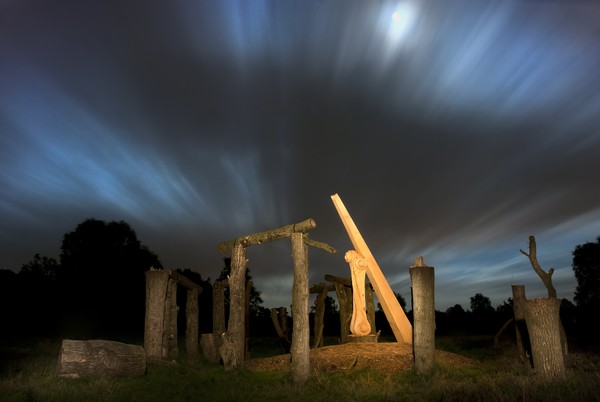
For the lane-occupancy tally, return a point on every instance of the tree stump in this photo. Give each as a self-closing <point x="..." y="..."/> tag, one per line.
<point x="100" y="358"/>
<point x="543" y="323"/>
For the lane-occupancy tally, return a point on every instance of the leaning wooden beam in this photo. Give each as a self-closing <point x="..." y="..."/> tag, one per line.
<point x="268" y="236"/>
<point x="399" y="323"/>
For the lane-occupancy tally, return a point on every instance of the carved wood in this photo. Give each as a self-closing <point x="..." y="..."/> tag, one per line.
<point x="399" y="323"/>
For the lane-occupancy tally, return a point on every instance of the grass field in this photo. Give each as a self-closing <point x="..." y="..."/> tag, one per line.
<point x="27" y="374"/>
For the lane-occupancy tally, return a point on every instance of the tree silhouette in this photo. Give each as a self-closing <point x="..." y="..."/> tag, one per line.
<point x="38" y="285"/>
<point x="481" y="304"/>
<point x="102" y="271"/>
<point x="586" y="267"/>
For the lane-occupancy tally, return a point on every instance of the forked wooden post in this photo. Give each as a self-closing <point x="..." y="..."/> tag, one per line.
<point x="399" y="323"/>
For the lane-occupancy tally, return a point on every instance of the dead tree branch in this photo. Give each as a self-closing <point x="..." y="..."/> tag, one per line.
<point x="546" y="277"/>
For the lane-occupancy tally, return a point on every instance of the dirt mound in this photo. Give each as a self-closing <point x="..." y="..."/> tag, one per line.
<point x="386" y="357"/>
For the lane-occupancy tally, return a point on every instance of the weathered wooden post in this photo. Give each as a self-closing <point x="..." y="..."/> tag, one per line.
<point x="156" y="292"/>
<point x="321" y="290"/>
<point x="234" y="340"/>
<point x="218" y="308"/>
<point x="521" y="334"/>
<point x="301" y="328"/>
<point x="422" y="278"/>
<point x="370" y="308"/>
<point x="191" y="325"/>
<point x="344" y="296"/>
<point x="247" y="296"/>
<point x="170" y="345"/>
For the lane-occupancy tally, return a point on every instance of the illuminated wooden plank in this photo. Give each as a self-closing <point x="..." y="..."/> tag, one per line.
<point x="399" y="323"/>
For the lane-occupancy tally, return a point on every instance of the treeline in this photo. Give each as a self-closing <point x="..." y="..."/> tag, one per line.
<point x="97" y="289"/>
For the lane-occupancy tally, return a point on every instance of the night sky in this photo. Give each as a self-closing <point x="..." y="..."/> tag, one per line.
<point x="450" y="129"/>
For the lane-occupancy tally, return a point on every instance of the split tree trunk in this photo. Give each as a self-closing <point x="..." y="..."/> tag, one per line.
<point x="543" y="324"/>
<point x="300" y="295"/>
<point x="100" y="358"/>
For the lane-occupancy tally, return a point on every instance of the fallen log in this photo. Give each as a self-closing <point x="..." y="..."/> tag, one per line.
<point x="100" y="358"/>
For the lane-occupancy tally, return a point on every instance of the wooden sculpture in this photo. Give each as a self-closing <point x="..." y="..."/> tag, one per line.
<point x="399" y="323"/>
<point x="359" y="325"/>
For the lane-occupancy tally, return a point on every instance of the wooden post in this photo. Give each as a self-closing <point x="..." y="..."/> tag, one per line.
<point x="422" y="278"/>
<point x="191" y="325"/>
<point x="300" y="295"/>
<point x="344" y="296"/>
<point x="521" y="334"/>
<point x="233" y="348"/>
<point x="154" y="329"/>
<point x="319" y="316"/>
<point x="543" y="324"/>
<point x="399" y="323"/>
<point x="370" y="307"/>
<point x="218" y="308"/>
<point x="247" y="294"/>
<point x="170" y="345"/>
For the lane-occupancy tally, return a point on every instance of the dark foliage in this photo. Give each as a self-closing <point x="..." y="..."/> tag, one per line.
<point x="586" y="267"/>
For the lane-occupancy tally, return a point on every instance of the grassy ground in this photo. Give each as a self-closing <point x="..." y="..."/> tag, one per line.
<point x="27" y="374"/>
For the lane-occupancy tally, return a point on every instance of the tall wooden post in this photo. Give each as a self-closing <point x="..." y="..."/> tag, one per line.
<point x="344" y="296"/>
<point x="247" y="297"/>
<point x="234" y="340"/>
<point x="319" y="316"/>
<point x="422" y="278"/>
<point x="521" y="334"/>
<point x="218" y="308"/>
<point x="370" y="307"/>
<point x="170" y="344"/>
<point x="156" y="291"/>
<point x="191" y="325"/>
<point x="301" y="331"/>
